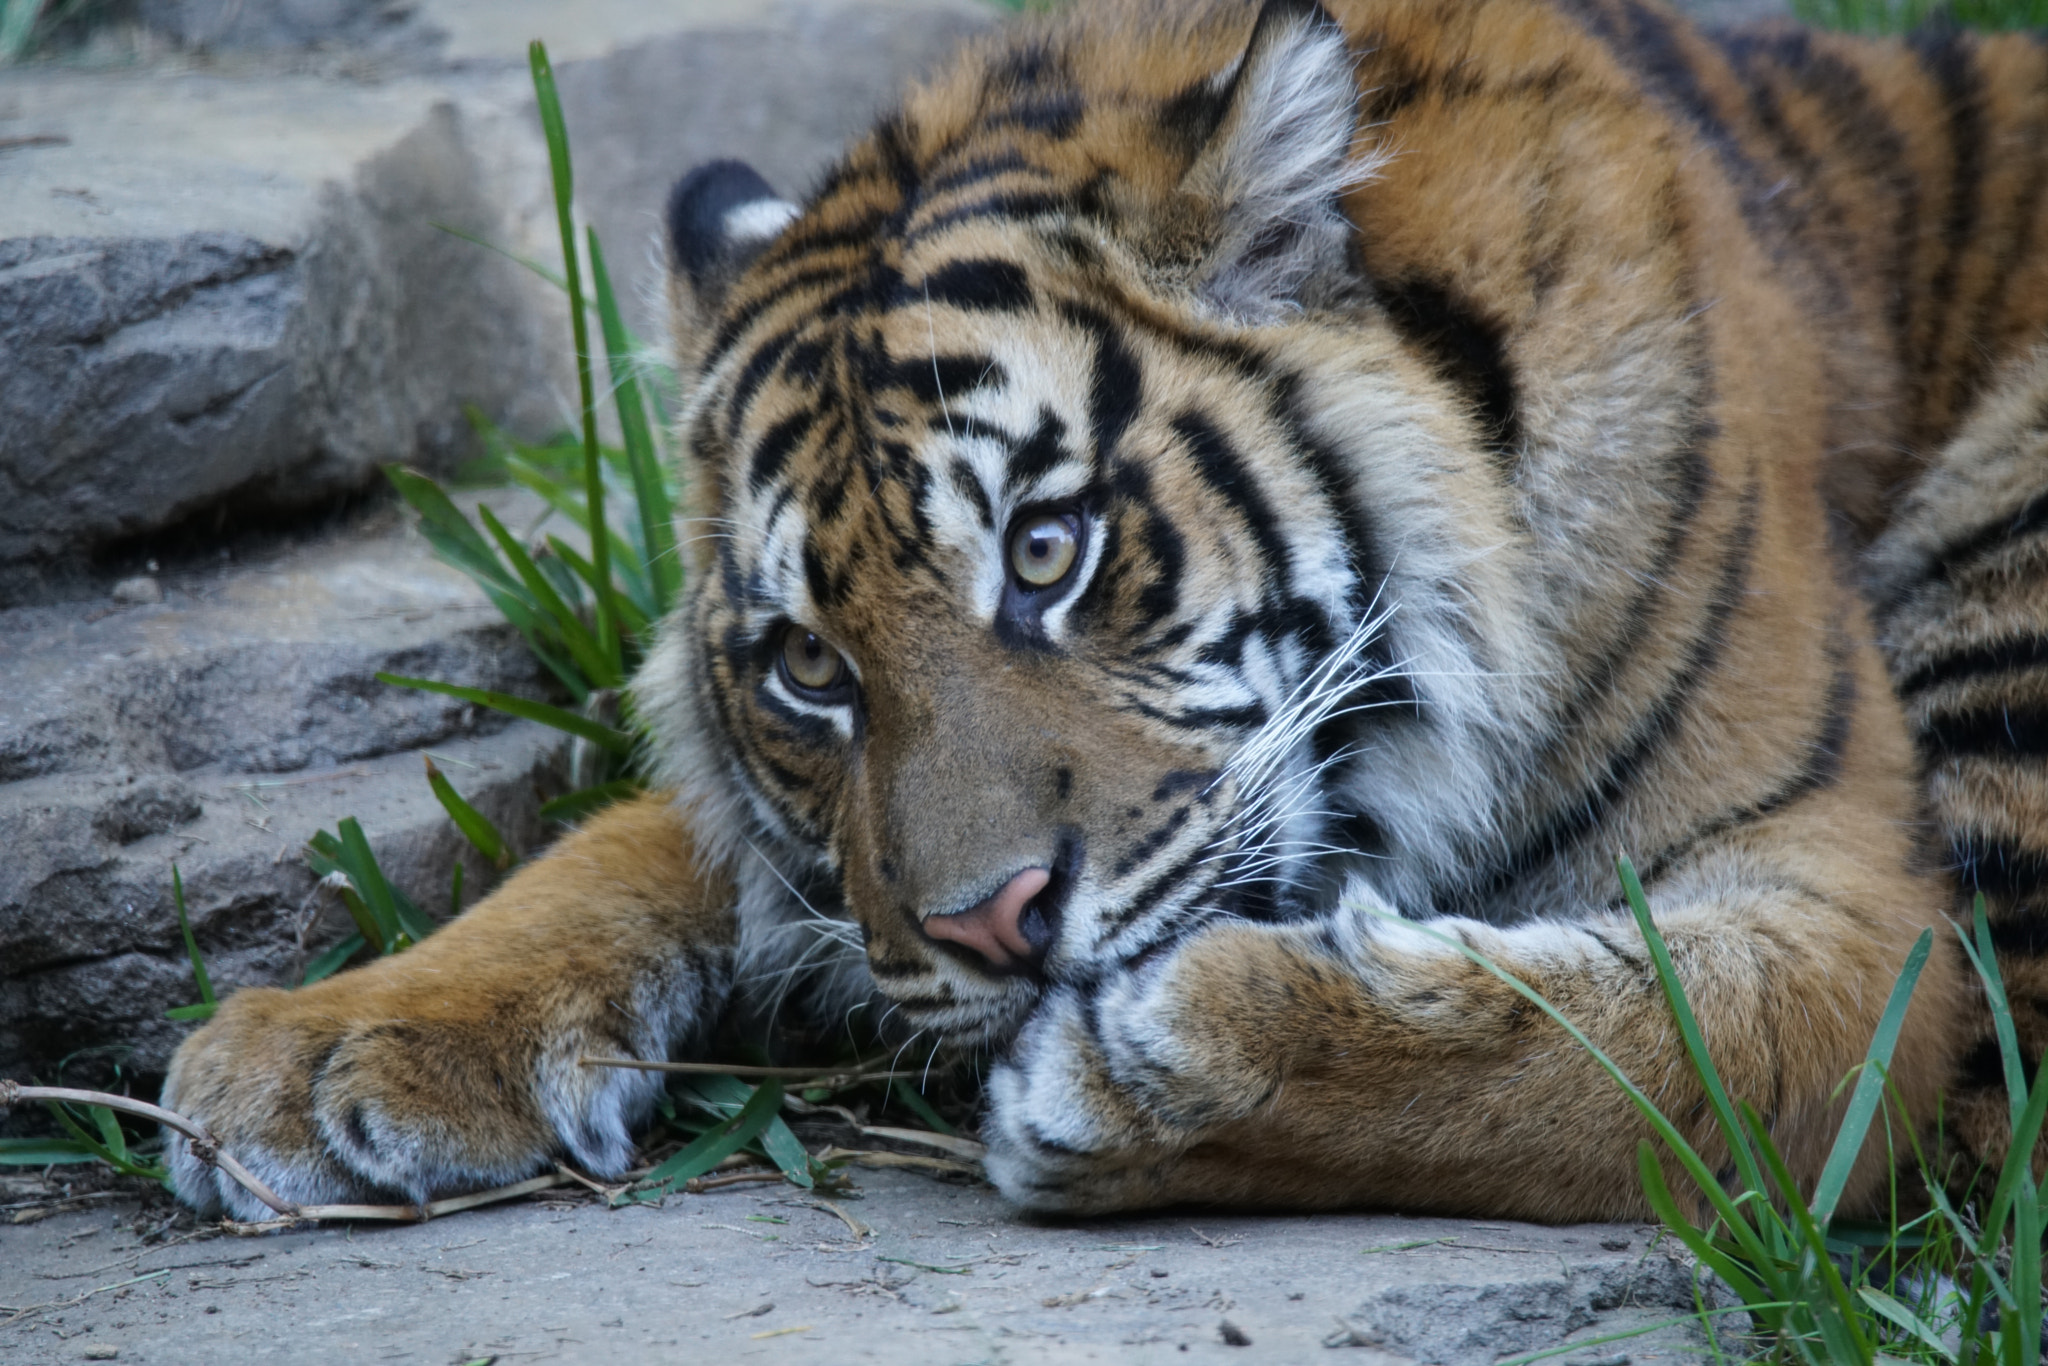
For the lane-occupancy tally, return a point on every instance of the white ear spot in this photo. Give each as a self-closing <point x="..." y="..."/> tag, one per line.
<point x="757" y="219"/>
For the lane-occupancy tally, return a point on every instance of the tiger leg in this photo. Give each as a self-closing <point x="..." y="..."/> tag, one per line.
<point x="1362" y="1060"/>
<point x="1961" y="593"/>
<point x="453" y="1065"/>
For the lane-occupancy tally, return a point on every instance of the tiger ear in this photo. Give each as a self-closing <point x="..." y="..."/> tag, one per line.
<point x="720" y="217"/>
<point x="1275" y="165"/>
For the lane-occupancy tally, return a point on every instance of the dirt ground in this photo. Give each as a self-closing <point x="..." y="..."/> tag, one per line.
<point x="908" y="1269"/>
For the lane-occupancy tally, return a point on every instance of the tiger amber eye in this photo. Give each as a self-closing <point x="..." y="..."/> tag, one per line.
<point x="1042" y="550"/>
<point x="810" y="661"/>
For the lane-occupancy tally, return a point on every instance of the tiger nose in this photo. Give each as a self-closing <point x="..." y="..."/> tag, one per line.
<point x="994" y="928"/>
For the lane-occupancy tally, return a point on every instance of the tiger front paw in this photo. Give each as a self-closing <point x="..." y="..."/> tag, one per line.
<point x="1109" y="1085"/>
<point x="330" y="1095"/>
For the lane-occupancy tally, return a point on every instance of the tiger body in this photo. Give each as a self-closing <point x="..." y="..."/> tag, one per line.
<point x="1473" y="440"/>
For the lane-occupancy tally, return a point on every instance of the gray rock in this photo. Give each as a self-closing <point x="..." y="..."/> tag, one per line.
<point x="139" y="591"/>
<point x="217" y="730"/>
<point x="230" y="24"/>
<point x="225" y="290"/>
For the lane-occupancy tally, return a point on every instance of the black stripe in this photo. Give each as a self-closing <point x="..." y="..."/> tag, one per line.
<point x="1117" y="390"/>
<point x="965" y="480"/>
<point x="737" y="321"/>
<point x="1148" y="896"/>
<point x="2029" y="520"/>
<point x="775" y="448"/>
<point x="1223" y="469"/>
<point x="1993" y="731"/>
<point x="973" y="173"/>
<point x="753" y="375"/>
<point x="1003" y="204"/>
<point x="1644" y="38"/>
<point x="1039" y="453"/>
<point x="983" y="285"/>
<point x="1821" y="768"/>
<point x="1055" y="115"/>
<point x="2003" y="871"/>
<point x="1587" y="809"/>
<point x="1944" y="53"/>
<point x="2000" y="657"/>
<point x="937" y="379"/>
<point x="1466" y="348"/>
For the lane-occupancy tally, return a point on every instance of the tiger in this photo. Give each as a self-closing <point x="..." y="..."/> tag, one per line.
<point x="1210" y="528"/>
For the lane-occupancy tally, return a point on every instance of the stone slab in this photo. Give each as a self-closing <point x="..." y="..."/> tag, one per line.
<point x="218" y="723"/>
<point x="949" y="1276"/>
<point x="224" y="285"/>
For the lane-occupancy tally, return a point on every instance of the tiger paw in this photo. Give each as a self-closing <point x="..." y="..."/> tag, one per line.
<point x="334" y="1094"/>
<point x="1110" y="1084"/>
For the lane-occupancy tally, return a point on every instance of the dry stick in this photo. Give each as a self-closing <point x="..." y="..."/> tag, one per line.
<point x="809" y="1075"/>
<point x="205" y="1146"/>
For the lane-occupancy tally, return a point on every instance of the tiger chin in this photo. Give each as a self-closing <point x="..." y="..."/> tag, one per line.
<point x="1209" y="512"/>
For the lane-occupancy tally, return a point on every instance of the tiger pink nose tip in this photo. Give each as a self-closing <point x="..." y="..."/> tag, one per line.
<point x="994" y="928"/>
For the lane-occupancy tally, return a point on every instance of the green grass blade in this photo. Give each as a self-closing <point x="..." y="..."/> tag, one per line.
<point x="1689" y="1028"/>
<point x="574" y="806"/>
<point x="631" y="614"/>
<point x="657" y="527"/>
<point x="110" y="1130"/>
<point x="42" y="1152"/>
<point x="1902" y="1317"/>
<point x="1665" y="1206"/>
<point x="361" y="866"/>
<point x="583" y="647"/>
<point x="553" y="277"/>
<point x="1838" y="1328"/>
<point x="722" y="1140"/>
<point x="323" y="856"/>
<point x="787" y="1151"/>
<point x="1984" y="956"/>
<point x="458" y="538"/>
<point x="332" y="960"/>
<point x="624" y="562"/>
<point x="191" y="948"/>
<point x="557" y="133"/>
<point x="599" y="734"/>
<point x="1869" y="1092"/>
<point x="475" y="826"/>
<point x="200" y="1010"/>
<point x="919" y="1106"/>
<point x="455" y="890"/>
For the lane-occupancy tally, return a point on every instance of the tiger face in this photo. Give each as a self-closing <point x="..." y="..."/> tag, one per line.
<point x="1035" y="598"/>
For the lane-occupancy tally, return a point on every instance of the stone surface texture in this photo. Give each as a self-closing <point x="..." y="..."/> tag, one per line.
<point x="218" y="728"/>
<point x="949" y="1275"/>
<point x="225" y="287"/>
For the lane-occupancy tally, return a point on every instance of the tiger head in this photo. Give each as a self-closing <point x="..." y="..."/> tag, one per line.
<point x="1039" y="571"/>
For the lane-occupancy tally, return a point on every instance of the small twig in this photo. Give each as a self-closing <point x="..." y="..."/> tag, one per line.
<point x="809" y="1076"/>
<point x="205" y="1146"/>
<point x="875" y="1157"/>
<point x="19" y="1314"/>
<point x="610" y="1193"/>
<point x="860" y="1230"/>
<point x="34" y="140"/>
<point x="697" y="1185"/>
<point x="966" y="1149"/>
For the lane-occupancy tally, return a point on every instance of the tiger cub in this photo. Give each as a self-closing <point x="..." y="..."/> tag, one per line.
<point x="1210" y="510"/>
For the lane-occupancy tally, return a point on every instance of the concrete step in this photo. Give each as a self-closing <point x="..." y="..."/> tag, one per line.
<point x="224" y="287"/>
<point x="217" y="718"/>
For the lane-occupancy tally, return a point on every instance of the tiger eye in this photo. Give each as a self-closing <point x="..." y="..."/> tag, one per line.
<point x="1043" y="549"/>
<point x="809" y="662"/>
